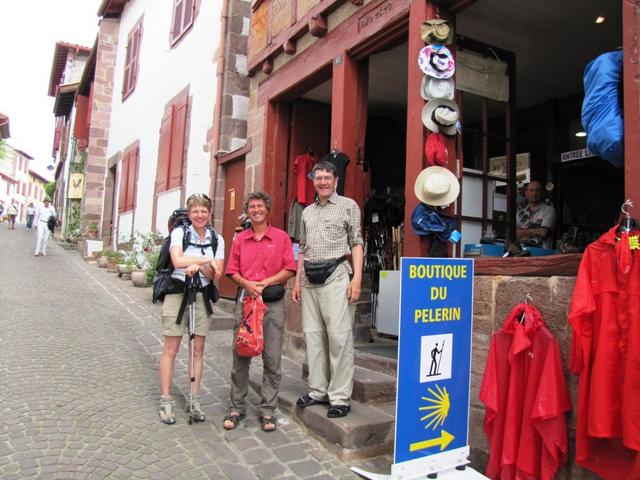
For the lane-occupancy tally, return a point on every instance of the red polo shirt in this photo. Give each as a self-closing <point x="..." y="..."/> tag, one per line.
<point x="257" y="259"/>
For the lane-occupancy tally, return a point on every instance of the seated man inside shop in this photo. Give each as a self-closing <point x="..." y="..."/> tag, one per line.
<point x="535" y="221"/>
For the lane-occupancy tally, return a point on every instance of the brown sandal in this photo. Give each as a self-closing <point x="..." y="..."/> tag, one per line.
<point x="268" y="420"/>
<point x="234" y="418"/>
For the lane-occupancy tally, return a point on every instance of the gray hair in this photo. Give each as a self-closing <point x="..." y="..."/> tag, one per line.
<point x="326" y="166"/>
<point x="257" y="196"/>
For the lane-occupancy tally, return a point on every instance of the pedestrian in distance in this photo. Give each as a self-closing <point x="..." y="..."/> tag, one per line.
<point x="30" y="214"/>
<point x="197" y="259"/>
<point x="327" y="286"/>
<point x="12" y="213"/>
<point x="42" y="216"/>
<point x="261" y="261"/>
<point x="1" y="210"/>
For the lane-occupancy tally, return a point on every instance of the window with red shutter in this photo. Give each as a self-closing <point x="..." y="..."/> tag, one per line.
<point x="172" y="146"/>
<point x="132" y="60"/>
<point x="132" y="175"/>
<point x="177" y="144"/>
<point x="164" y="153"/>
<point x="124" y="175"/>
<point x="184" y="13"/>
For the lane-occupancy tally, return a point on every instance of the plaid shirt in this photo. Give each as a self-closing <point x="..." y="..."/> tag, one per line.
<point x="330" y="231"/>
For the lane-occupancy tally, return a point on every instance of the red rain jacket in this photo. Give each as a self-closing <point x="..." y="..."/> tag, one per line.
<point x="605" y="317"/>
<point x="526" y="397"/>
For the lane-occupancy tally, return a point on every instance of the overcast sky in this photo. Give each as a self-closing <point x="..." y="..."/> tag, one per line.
<point x="29" y="30"/>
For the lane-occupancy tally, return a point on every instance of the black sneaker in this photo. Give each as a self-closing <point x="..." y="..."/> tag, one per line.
<point x="307" y="401"/>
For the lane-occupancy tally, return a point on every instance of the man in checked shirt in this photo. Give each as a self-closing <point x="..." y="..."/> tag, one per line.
<point x="330" y="231"/>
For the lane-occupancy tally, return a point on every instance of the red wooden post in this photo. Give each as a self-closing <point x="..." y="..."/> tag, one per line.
<point x="420" y="10"/>
<point x="274" y="165"/>
<point x="631" y="68"/>
<point x="344" y="109"/>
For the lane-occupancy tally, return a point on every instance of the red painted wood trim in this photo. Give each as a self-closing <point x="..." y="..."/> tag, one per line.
<point x="296" y="31"/>
<point x="318" y="25"/>
<point x="349" y="35"/>
<point x="274" y="164"/>
<point x="344" y="114"/>
<point x="631" y="79"/>
<point x="414" y="245"/>
<point x="231" y="156"/>
<point x="549" y="266"/>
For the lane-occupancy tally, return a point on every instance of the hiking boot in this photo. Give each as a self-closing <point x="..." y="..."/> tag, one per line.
<point x="195" y="409"/>
<point x="167" y="406"/>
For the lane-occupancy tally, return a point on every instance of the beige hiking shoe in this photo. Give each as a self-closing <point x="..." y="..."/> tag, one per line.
<point x="193" y="406"/>
<point x="167" y="406"/>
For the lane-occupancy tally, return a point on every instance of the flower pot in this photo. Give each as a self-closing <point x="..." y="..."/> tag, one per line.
<point x="102" y="262"/>
<point x="111" y="264"/>
<point x="124" y="268"/>
<point x="139" y="278"/>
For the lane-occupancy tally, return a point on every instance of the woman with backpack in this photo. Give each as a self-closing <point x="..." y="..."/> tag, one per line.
<point x="196" y="251"/>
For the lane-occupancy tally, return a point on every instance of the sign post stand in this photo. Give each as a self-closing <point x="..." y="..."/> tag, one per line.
<point x="434" y="362"/>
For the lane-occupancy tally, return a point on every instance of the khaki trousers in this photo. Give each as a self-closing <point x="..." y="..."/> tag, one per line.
<point x="273" y="331"/>
<point x="327" y="318"/>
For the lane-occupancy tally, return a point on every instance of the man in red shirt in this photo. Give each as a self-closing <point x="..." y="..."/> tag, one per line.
<point x="261" y="256"/>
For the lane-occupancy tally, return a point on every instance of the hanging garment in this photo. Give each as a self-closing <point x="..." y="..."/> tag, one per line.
<point x="605" y="353"/>
<point x="340" y="160"/>
<point x="526" y="397"/>
<point x="302" y="165"/>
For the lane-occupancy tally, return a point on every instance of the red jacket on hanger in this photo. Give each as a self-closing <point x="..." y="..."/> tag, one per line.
<point x="605" y="353"/>
<point x="526" y="397"/>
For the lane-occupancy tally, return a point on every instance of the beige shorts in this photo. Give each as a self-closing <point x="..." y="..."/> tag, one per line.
<point x="170" y="309"/>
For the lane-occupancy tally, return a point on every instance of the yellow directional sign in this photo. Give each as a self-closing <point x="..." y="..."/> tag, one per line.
<point x="445" y="439"/>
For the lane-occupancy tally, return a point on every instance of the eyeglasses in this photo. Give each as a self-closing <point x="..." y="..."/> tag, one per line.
<point x="323" y="178"/>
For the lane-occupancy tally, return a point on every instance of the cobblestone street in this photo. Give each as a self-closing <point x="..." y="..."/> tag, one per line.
<point x="79" y="389"/>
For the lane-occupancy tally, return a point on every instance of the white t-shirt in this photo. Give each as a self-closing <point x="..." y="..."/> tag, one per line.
<point x="43" y="213"/>
<point x="177" y="236"/>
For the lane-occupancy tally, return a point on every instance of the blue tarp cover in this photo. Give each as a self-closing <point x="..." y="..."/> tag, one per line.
<point x="602" y="112"/>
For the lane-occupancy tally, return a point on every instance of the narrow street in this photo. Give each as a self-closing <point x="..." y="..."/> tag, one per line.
<point x="79" y="390"/>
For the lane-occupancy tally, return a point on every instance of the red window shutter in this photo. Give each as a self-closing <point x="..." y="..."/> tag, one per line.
<point x="30" y="185"/>
<point x="177" y="19"/>
<point x="90" y="107"/>
<point x="80" y="126"/>
<point x="188" y="14"/>
<point x="164" y="153"/>
<point x="131" y="180"/>
<point x="124" y="175"/>
<point x="133" y="68"/>
<point x="177" y="143"/>
<point x="127" y="67"/>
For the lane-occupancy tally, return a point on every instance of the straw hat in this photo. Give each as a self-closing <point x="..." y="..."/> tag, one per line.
<point x="436" y="186"/>
<point x="440" y="115"/>
<point x="436" y="31"/>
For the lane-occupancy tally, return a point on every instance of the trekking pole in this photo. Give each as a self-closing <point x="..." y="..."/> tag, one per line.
<point x="192" y="291"/>
<point x="440" y="358"/>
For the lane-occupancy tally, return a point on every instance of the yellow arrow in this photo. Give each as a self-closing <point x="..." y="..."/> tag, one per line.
<point x="445" y="439"/>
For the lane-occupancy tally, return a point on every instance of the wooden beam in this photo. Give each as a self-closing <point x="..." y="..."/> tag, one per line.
<point x="290" y="46"/>
<point x="318" y="26"/>
<point x="414" y="245"/>
<point x="344" y="117"/>
<point x="274" y="165"/>
<point x="631" y="87"/>
<point x="453" y="6"/>
<point x="565" y="265"/>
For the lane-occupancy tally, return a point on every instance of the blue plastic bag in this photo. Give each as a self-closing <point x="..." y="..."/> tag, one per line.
<point x="602" y="111"/>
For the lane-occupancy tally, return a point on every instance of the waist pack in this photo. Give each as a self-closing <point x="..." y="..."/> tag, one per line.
<point x="272" y="293"/>
<point x="318" y="272"/>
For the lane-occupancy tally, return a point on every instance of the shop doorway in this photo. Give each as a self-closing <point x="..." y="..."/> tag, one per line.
<point x="551" y="48"/>
<point x="233" y="199"/>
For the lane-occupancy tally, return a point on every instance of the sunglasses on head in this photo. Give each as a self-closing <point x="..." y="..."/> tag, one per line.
<point x="198" y="195"/>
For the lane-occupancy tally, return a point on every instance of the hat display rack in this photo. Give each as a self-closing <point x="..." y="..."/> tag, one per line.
<point x="436" y="186"/>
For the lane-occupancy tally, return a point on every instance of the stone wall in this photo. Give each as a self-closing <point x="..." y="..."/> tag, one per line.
<point x="494" y="298"/>
<point x="96" y="164"/>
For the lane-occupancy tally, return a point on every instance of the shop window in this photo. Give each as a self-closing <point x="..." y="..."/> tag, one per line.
<point x="171" y="147"/>
<point x="128" y="181"/>
<point x="132" y="60"/>
<point x="184" y="14"/>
